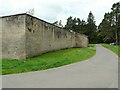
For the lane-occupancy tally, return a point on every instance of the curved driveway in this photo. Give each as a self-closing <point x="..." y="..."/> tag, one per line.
<point x="100" y="71"/>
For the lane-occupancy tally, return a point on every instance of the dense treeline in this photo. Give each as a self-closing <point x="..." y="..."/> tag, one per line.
<point x="88" y="28"/>
<point x="108" y="30"/>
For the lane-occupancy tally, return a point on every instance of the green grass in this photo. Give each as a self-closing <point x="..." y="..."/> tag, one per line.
<point x="113" y="48"/>
<point x="48" y="60"/>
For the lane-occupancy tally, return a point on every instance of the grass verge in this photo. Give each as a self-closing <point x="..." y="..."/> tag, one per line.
<point x="113" y="48"/>
<point x="49" y="60"/>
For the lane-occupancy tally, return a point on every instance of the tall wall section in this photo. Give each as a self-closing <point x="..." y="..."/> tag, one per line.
<point x="13" y="37"/>
<point x="43" y="37"/>
<point x="25" y="36"/>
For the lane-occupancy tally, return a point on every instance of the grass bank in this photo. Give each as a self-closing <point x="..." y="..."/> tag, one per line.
<point x="48" y="60"/>
<point x="113" y="48"/>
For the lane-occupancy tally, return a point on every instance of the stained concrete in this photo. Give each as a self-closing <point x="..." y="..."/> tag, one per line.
<point x="13" y="37"/>
<point x="25" y="36"/>
<point x="100" y="71"/>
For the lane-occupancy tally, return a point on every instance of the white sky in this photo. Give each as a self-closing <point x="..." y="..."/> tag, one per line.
<point x="52" y="10"/>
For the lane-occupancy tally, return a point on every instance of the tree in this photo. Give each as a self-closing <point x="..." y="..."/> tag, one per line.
<point x="75" y="24"/>
<point x="90" y="18"/>
<point x="119" y="29"/>
<point x="91" y="28"/>
<point x="58" y="23"/>
<point x="106" y="29"/>
<point x="69" y="24"/>
<point x="31" y="11"/>
<point x="109" y="28"/>
<point x="115" y="17"/>
<point x="80" y="26"/>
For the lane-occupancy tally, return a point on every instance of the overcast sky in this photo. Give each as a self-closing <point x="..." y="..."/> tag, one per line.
<point x="52" y="10"/>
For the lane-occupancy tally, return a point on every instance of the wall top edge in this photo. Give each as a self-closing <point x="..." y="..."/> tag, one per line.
<point x="40" y="20"/>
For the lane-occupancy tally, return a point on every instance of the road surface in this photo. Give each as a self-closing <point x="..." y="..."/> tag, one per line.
<point x="100" y="71"/>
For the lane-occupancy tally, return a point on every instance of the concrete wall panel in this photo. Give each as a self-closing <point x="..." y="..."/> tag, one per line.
<point x="42" y="37"/>
<point x="25" y="36"/>
<point x="13" y="37"/>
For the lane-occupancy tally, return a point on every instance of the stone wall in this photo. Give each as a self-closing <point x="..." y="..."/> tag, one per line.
<point x="25" y="36"/>
<point x="13" y="37"/>
<point x="42" y="37"/>
<point x="81" y="40"/>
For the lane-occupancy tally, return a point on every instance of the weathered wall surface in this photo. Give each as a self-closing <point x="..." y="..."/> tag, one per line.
<point x="13" y="37"/>
<point x="25" y="36"/>
<point x="81" y="40"/>
<point x="42" y="37"/>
